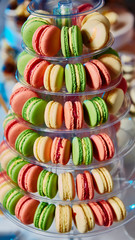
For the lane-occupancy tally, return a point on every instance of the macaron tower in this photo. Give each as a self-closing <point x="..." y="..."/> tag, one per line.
<point x="64" y="162"/>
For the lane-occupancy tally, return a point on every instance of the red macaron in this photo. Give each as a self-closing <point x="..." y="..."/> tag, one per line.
<point x="25" y="209"/>
<point x="85" y="186"/>
<point x="19" y="97"/>
<point x="34" y="72"/>
<point x="12" y="130"/>
<point x="103" y="147"/>
<point x="46" y="40"/>
<point x="60" y="151"/>
<point x="73" y="114"/>
<point x="28" y="177"/>
<point x="123" y="85"/>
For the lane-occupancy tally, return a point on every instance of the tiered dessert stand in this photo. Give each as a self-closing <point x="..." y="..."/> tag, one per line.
<point x="123" y="138"/>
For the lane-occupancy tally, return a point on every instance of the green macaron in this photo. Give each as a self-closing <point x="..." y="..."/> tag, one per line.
<point x="14" y="166"/>
<point x="77" y="151"/>
<point x="22" y="61"/>
<point x="102" y="107"/>
<point x="90" y="113"/>
<point x="87" y="150"/>
<point x="29" y="28"/>
<point x="25" y="141"/>
<point x="10" y="200"/>
<point x="44" y="216"/>
<point x="75" y="40"/>
<point x="47" y="184"/>
<point x="75" y="78"/>
<point x="65" y="42"/>
<point x="33" y="110"/>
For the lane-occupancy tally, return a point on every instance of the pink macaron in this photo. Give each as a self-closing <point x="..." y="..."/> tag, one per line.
<point x="99" y="214"/>
<point x="3" y="146"/>
<point x="108" y="212"/>
<point x="73" y="114"/>
<point x="94" y="80"/>
<point x="12" y="130"/>
<point x="19" y="97"/>
<point x="85" y="186"/>
<point x="34" y="72"/>
<point x="25" y="209"/>
<point x="46" y="40"/>
<point x="28" y="177"/>
<point x="103" y="147"/>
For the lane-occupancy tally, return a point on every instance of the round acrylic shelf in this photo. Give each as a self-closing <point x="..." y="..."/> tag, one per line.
<point x="124" y="141"/>
<point x="98" y="230"/>
<point x="63" y="93"/>
<point x="35" y="6"/>
<point x="85" y="57"/>
<point x="122" y="180"/>
<point x="112" y="120"/>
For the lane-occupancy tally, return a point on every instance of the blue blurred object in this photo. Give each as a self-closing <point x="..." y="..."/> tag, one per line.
<point x="3" y="93"/>
<point x="9" y="236"/>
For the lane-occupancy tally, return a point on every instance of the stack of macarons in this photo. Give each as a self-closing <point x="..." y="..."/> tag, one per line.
<point x="95" y="31"/>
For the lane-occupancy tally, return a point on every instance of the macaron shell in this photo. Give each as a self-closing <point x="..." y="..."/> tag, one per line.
<point x="109" y="143"/>
<point x="6" y="157"/>
<point x="27" y="210"/>
<point x="22" y="61"/>
<point x="108" y="178"/>
<point x="116" y="209"/>
<point x="4" y="188"/>
<point x="38" y="213"/>
<point x="66" y="191"/>
<point x="44" y="149"/>
<point x="65" y="42"/>
<point x="89" y="215"/>
<point x="77" y="151"/>
<point x="80" y="186"/>
<point x="99" y="215"/>
<point x="47" y="77"/>
<point x="113" y="64"/>
<point x="104" y="73"/>
<point x="47" y="217"/>
<point x="54" y="115"/>
<point x="79" y="218"/>
<point x="95" y="34"/>
<point x="70" y="78"/>
<point x="94" y="80"/>
<point x="36" y="113"/>
<point x="56" y="78"/>
<point x="99" y="181"/>
<point x="90" y="113"/>
<point x="99" y="148"/>
<point x="75" y="40"/>
<point x="97" y="16"/>
<point x="21" y="176"/>
<point x="16" y="170"/>
<point x="108" y="212"/>
<point x="52" y="185"/>
<point x="65" y="151"/>
<point x="90" y="184"/>
<point x="31" y="178"/>
<point x="47" y="44"/>
<point x="20" y="96"/>
<point x="79" y="113"/>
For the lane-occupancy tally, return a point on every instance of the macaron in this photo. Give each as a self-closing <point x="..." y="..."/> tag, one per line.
<point x="83" y="217"/>
<point x="10" y="200"/>
<point x="95" y="34"/>
<point x="19" y="97"/>
<point x="43" y="40"/>
<point x="103" y="147"/>
<point x="97" y="16"/>
<point x="7" y="119"/>
<point x="82" y="8"/>
<point x="47" y="184"/>
<point x="14" y="166"/>
<point x="28" y="177"/>
<point x="44" y="216"/>
<point x="102" y="213"/>
<point x="25" y="141"/>
<point x="34" y="72"/>
<point x="33" y="111"/>
<point x="3" y="147"/>
<point x="108" y="51"/>
<point x="113" y="64"/>
<point x="73" y="115"/>
<point x="85" y="186"/>
<point x="71" y="41"/>
<point x="82" y="151"/>
<point x="54" y="77"/>
<point x="53" y="115"/>
<point x="114" y="100"/>
<point x="75" y="77"/>
<point x="103" y="182"/>
<point x="12" y="130"/>
<point x="97" y="74"/>
<point x="63" y="218"/>
<point x="42" y="149"/>
<point x="22" y="61"/>
<point x="42" y="13"/>
<point x="118" y="208"/>
<point x="5" y="157"/>
<point x="29" y="28"/>
<point x="4" y="188"/>
<point x="3" y="177"/>
<point x="60" y="151"/>
<point x="66" y="191"/>
<point x="25" y="209"/>
<point x="95" y="111"/>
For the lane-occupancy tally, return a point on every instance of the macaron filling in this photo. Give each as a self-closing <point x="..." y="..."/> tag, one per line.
<point x="59" y="146"/>
<point x="75" y="115"/>
<point x="86" y="189"/>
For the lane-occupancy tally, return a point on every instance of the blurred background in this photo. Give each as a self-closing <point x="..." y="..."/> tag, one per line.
<point x="13" y="14"/>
